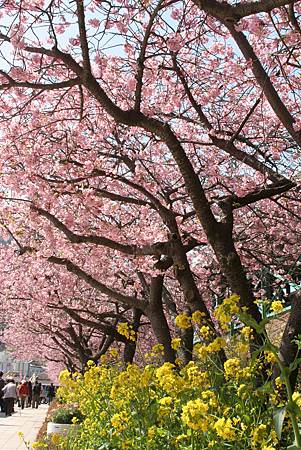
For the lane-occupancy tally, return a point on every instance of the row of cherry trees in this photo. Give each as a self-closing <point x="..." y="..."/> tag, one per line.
<point x="150" y="157"/>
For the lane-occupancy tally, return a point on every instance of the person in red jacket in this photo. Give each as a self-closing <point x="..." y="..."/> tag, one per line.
<point x="23" y="393"/>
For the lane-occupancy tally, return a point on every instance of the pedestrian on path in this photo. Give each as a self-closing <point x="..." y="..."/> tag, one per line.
<point x="50" y="393"/>
<point x="2" y="384"/>
<point x="29" y="384"/>
<point x="23" y="393"/>
<point x="36" y="392"/>
<point x="10" y="395"/>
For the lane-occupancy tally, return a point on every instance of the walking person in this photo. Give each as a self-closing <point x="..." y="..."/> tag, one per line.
<point x="18" y="385"/>
<point x="2" y="384"/>
<point x="29" y="400"/>
<point x="10" y="395"/>
<point x="23" y="393"/>
<point x="36" y="392"/>
<point x="50" y="393"/>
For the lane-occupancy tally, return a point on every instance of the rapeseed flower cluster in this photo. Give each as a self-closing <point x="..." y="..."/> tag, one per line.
<point x="225" y="429"/>
<point x="165" y="407"/>
<point x="183" y="321"/>
<point x="195" y="415"/>
<point x="277" y="306"/>
<point x="209" y="403"/>
<point x="126" y="330"/>
<point x="227" y="310"/>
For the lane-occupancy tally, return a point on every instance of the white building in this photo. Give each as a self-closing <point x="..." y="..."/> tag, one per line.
<point x="22" y="369"/>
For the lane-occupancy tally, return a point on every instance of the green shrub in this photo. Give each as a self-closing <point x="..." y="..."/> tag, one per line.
<point x="66" y="415"/>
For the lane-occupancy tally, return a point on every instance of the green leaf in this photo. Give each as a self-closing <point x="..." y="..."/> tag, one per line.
<point x="285" y="373"/>
<point x="255" y="354"/>
<point x="293" y="447"/>
<point x="262" y="324"/>
<point x="295" y="364"/>
<point x="278" y="417"/>
<point x="248" y="320"/>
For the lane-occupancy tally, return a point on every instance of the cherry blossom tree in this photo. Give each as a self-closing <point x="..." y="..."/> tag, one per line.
<point x="144" y="138"/>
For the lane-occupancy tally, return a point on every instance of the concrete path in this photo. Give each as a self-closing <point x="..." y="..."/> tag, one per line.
<point x="28" y="422"/>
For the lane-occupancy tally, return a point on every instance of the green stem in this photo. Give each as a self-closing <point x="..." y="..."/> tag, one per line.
<point x="192" y="440"/>
<point x="289" y="393"/>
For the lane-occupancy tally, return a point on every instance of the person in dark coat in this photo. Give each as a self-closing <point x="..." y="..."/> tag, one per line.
<point x="50" y="393"/>
<point x="2" y="384"/>
<point x="36" y="392"/>
<point x="29" y="400"/>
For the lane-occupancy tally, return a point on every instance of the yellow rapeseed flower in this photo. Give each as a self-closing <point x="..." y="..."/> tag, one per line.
<point x="232" y="368"/>
<point x="55" y="439"/>
<point x="126" y="330"/>
<point x="168" y="379"/>
<point x="224" y="428"/>
<point x="241" y="390"/>
<point x="205" y="332"/>
<point x="165" y="406"/>
<point x="210" y="398"/>
<point x="113" y="352"/>
<point x="175" y="343"/>
<point x="197" y="317"/>
<point x="183" y="321"/>
<point x="166" y="401"/>
<point x="215" y="346"/>
<point x="194" y="415"/>
<point x="38" y="445"/>
<point x="157" y="348"/>
<point x="259" y="434"/>
<point x="246" y="332"/>
<point x="90" y="363"/>
<point x="151" y="432"/>
<point x="64" y="375"/>
<point x="297" y="398"/>
<point x="276" y="306"/>
<point x="269" y="357"/>
<point x="120" y="421"/>
<point x="226" y="310"/>
<point x="201" y="351"/>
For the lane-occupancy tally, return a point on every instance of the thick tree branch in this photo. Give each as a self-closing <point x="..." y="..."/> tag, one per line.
<point x="121" y="198"/>
<point x="141" y="58"/>
<point x="107" y="329"/>
<point x="265" y="82"/>
<point x="83" y="36"/>
<point x="261" y="194"/>
<point x="111" y="293"/>
<point x="40" y="86"/>
<point x="242" y="9"/>
<point x="157" y="249"/>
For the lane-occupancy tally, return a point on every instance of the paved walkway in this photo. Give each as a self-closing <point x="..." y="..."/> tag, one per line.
<point x="28" y="422"/>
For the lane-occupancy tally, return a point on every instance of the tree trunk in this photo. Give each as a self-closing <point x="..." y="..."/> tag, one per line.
<point x="187" y="342"/>
<point x="230" y="264"/>
<point x="185" y="278"/>
<point x="193" y="297"/>
<point x="130" y="346"/>
<point x="288" y="351"/>
<point x="158" y="320"/>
